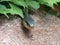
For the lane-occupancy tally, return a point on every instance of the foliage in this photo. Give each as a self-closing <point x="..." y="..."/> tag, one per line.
<point x="15" y="9"/>
<point x="49" y="2"/>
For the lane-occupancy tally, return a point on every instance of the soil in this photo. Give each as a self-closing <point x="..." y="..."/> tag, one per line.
<point x="45" y="32"/>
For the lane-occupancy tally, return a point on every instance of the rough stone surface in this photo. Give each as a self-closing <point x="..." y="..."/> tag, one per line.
<point x="45" y="32"/>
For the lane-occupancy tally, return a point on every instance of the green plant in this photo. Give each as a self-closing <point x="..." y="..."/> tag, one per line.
<point x="15" y="9"/>
<point x="50" y="5"/>
<point x="49" y="2"/>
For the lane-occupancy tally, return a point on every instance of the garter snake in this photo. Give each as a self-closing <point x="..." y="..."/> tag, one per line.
<point x="27" y="21"/>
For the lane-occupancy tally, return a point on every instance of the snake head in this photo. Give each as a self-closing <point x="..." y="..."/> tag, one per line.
<point x="28" y="22"/>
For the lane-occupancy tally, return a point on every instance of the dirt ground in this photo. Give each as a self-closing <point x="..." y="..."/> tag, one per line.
<point x="45" y="32"/>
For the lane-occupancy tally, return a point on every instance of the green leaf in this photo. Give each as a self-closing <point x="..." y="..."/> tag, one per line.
<point x="17" y="2"/>
<point x="4" y="10"/>
<point x="16" y="10"/>
<point x="33" y="4"/>
<point x="49" y="2"/>
<point x="13" y="10"/>
<point x="4" y="0"/>
<point x="20" y="3"/>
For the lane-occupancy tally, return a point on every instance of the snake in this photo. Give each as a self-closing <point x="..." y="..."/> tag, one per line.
<point x="27" y="21"/>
